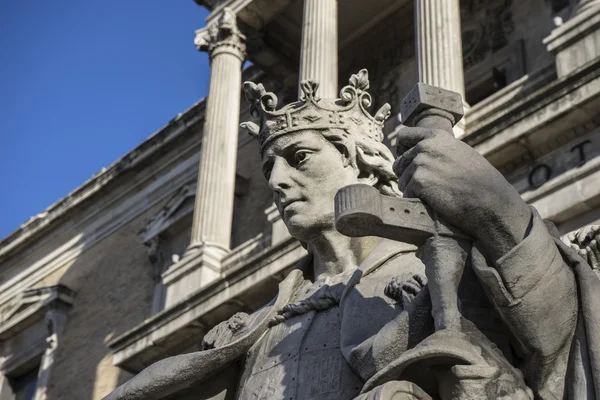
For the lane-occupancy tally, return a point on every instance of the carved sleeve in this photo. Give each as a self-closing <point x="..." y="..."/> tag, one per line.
<point x="535" y="291"/>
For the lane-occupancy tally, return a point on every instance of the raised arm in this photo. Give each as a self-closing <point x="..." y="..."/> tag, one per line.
<point x="515" y="258"/>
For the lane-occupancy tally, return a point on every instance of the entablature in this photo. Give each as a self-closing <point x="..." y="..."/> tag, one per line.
<point x="525" y="115"/>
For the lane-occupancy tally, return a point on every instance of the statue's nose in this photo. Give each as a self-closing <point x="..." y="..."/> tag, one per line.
<point x="279" y="177"/>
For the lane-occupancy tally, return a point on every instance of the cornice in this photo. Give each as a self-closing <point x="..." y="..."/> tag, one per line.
<point x="35" y="226"/>
<point x="252" y="265"/>
<point x="31" y="305"/>
<point x="492" y="132"/>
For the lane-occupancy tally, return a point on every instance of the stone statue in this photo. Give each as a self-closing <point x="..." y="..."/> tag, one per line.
<point x="363" y="327"/>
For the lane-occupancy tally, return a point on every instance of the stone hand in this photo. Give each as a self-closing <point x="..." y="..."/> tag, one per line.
<point x="586" y="241"/>
<point x="462" y="187"/>
<point x="405" y="291"/>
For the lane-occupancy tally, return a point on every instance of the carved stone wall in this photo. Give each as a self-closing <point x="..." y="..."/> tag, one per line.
<point x="502" y="41"/>
<point x="388" y="52"/>
<point x="558" y="156"/>
<point x="487" y="27"/>
<point x="248" y="218"/>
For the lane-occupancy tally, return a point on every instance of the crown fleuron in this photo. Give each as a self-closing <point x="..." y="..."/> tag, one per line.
<point x="311" y="112"/>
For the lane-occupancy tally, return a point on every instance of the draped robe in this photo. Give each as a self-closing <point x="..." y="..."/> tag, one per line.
<point x="539" y="303"/>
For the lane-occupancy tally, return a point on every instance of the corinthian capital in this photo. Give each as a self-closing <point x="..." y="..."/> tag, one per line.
<point x="222" y="35"/>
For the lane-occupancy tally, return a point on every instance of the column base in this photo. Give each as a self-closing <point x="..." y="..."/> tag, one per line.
<point x="199" y="266"/>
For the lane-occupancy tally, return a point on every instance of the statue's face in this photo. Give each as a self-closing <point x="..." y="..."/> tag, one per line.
<point x="305" y="171"/>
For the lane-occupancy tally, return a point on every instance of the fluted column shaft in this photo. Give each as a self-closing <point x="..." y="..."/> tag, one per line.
<point x="213" y="211"/>
<point x="319" y="48"/>
<point x="439" y="47"/>
<point x="439" y="44"/>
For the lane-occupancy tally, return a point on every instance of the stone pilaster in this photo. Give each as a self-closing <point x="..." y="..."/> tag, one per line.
<point x="439" y="47"/>
<point x="576" y="42"/>
<point x="213" y="209"/>
<point x="56" y="319"/>
<point x="319" y="48"/>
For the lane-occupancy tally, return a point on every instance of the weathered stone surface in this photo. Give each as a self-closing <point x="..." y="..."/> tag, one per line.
<point x="211" y="230"/>
<point x="480" y="326"/>
<point x="534" y="131"/>
<point x="90" y="322"/>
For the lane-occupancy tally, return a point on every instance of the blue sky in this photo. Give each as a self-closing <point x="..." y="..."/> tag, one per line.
<point x="82" y="82"/>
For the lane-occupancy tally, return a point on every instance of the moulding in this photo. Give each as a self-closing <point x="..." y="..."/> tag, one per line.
<point x="30" y="306"/>
<point x="30" y="230"/>
<point x="508" y="122"/>
<point x="132" y="346"/>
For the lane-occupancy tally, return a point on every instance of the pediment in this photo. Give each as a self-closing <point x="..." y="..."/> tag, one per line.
<point x="31" y="305"/>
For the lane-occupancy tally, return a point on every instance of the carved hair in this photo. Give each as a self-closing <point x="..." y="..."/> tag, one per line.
<point x="372" y="158"/>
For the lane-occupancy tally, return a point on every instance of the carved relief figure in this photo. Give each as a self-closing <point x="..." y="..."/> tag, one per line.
<point x="362" y="328"/>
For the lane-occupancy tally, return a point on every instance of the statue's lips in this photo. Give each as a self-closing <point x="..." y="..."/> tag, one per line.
<point x="287" y="203"/>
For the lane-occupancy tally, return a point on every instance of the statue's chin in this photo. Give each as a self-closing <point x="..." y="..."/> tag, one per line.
<point x="305" y="228"/>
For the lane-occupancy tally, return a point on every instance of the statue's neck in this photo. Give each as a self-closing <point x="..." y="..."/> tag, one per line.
<point x="334" y="253"/>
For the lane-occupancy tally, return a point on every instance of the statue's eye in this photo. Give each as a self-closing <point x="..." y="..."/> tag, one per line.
<point x="300" y="156"/>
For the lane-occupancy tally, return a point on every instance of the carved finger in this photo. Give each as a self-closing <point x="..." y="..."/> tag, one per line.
<point x="407" y="298"/>
<point x="414" y="185"/>
<point x="404" y="161"/>
<point x="406" y="176"/>
<point x="574" y="246"/>
<point x="594" y="233"/>
<point x="409" y="137"/>
<point x="390" y="291"/>
<point x="421" y="279"/>
<point x="411" y="287"/>
<point x="581" y="234"/>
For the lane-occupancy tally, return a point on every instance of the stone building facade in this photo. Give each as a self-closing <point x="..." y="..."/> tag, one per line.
<point x="139" y="262"/>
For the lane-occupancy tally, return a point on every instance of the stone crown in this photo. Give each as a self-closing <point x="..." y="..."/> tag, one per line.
<point x="311" y="112"/>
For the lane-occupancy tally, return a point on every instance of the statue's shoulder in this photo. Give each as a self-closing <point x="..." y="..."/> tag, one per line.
<point x="226" y="331"/>
<point x="390" y="258"/>
<point x="242" y="323"/>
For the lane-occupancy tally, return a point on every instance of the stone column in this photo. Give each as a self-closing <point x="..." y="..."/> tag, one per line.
<point x="439" y="47"/>
<point x="319" y="48"/>
<point x="213" y="209"/>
